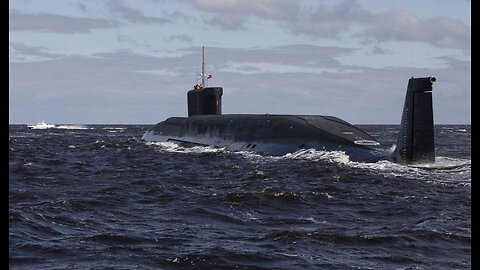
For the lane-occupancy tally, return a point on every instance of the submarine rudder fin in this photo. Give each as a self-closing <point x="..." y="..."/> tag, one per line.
<point x="415" y="143"/>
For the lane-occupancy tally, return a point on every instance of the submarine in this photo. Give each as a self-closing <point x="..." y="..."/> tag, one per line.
<point x="278" y="135"/>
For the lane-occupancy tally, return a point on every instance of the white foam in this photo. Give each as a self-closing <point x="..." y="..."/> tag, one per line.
<point x="115" y="128"/>
<point x="444" y="163"/>
<point x="445" y="170"/>
<point x="72" y="127"/>
<point x="338" y="157"/>
<point x="173" y="147"/>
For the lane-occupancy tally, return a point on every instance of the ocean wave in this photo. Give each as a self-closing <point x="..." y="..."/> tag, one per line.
<point x="176" y="148"/>
<point x="444" y="170"/>
<point x="72" y="127"/>
<point x="115" y="128"/>
<point x="116" y="202"/>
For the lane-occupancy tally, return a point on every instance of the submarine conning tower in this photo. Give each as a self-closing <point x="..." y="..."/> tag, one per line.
<point x="205" y="101"/>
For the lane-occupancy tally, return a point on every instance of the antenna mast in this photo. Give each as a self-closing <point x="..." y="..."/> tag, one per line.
<point x="203" y="65"/>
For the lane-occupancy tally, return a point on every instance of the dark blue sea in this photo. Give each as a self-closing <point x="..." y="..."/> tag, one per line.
<point x="98" y="197"/>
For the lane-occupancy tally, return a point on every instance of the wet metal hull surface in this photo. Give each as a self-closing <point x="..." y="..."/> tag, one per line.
<point x="269" y="134"/>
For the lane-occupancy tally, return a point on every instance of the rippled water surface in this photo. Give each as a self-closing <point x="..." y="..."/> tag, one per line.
<point x="98" y="197"/>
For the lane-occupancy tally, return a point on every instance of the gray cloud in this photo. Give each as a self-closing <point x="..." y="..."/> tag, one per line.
<point x="102" y="89"/>
<point x="180" y="37"/>
<point x="112" y="87"/>
<point x="45" y="22"/>
<point x="333" y="21"/>
<point x="394" y="25"/>
<point x="294" y="55"/>
<point x="228" y="21"/>
<point x="438" y="31"/>
<point x="131" y="41"/>
<point x="82" y="7"/>
<point x="233" y="14"/>
<point x="133" y="15"/>
<point x="180" y="16"/>
<point x="24" y="49"/>
<point x="327" y="21"/>
<point x="272" y="9"/>
<point x="376" y="50"/>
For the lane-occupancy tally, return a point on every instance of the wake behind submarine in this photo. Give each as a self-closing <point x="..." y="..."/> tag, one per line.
<point x="282" y="134"/>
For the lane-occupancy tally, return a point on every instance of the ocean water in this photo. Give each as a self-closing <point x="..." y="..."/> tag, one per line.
<point x="98" y="197"/>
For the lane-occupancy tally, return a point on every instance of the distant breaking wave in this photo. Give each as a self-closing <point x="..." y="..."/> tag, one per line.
<point x="72" y="127"/>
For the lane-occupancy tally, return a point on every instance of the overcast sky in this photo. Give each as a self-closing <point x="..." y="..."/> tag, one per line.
<point x="131" y="62"/>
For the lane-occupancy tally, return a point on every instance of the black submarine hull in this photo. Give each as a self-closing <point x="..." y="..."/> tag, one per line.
<point x="269" y="134"/>
<point x="283" y="134"/>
